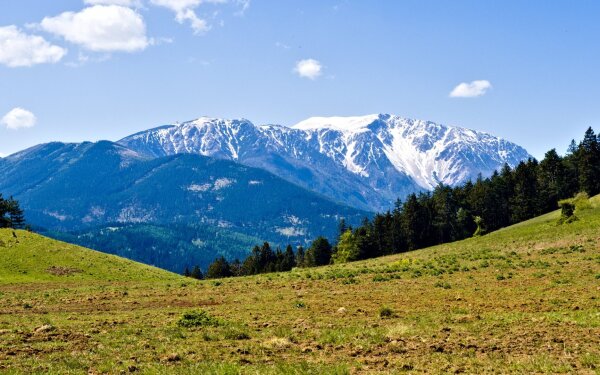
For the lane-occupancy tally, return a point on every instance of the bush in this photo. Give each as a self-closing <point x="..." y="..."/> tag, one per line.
<point x="386" y="312"/>
<point x="443" y="285"/>
<point x="198" y="319"/>
<point x="582" y="201"/>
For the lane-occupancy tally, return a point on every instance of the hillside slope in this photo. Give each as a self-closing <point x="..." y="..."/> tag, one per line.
<point x="524" y="299"/>
<point x="28" y="258"/>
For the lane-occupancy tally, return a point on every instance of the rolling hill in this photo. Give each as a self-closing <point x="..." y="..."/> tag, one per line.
<point x="30" y="258"/>
<point x="523" y="299"/>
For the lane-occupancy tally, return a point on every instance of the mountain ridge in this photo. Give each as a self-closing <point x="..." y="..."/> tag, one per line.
<point x="373" y="159"/>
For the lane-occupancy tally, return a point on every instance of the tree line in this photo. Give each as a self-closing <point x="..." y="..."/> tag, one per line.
<point x="11" y="214"/>
<point x="263" y="259"/>
<point x="446" y="214"/>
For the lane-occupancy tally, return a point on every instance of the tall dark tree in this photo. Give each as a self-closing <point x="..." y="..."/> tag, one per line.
<point x="11" y="214"/>
<point x="319" y="253"/>
<point x="197" y="273"/>
<point x="551" y="177"/>
<point x="289" y="259"/>
<point x="524" y="202"/>
<point x="589" y="163"/>
<point x="16" y="214"/>
<point x="300" y="261"/>
<point x="218" y="269"/>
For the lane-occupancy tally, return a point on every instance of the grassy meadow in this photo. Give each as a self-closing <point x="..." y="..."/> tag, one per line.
<point x="525" y="299"/>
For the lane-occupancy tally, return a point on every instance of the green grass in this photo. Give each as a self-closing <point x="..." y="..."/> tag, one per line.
<point x="525" y="299"/>
<point x="29" y="258"/>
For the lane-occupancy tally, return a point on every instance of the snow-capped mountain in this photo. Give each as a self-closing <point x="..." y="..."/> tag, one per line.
<point x="365" y="161"/>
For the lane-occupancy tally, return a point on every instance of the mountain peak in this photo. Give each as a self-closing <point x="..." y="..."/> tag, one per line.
<point x="351" y="123"/>
<point x="208" y="121"/>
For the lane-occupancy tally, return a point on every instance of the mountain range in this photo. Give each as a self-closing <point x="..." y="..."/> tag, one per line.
<point x="366" y="162"/>
<point x="182" y="194"/>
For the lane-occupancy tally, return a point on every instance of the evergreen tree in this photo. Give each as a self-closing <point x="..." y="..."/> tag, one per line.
<point x="252" y="265"/>
<point x="289" y="259"/>
<point x="268" y="259"/>
<point x="186" y="272"/>
<point x="196" y="273"/>
<point x="445" y="208"/>
<point x="218" y="269"/>
<point x="551" y="177"/>
<point x="319" y="253"/>
<point x="589" y="163"/>
<point x="415" y="222"/>
<point x="397" y="235"/>
<point x="236" y="268"/>
<point x="16" y="215"/>
<point x="524" y="202"/>
<point x="300" y="261"/>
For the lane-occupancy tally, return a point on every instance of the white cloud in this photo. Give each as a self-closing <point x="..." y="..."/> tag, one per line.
<point x="18" y="118"/>
<point x="101" y="28"/>
<point x="18" y="49"/>
<point x="125" y="3"/>
<point x="198" y="24"/>
<point x="185" y="11"/>
<point x="308" y="68"/>
<point x="471" y="89"/>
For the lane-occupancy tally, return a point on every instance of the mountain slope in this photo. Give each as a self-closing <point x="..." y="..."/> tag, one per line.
<point x="366" y="161"/>
<point x="30" y="258"/>
<point x="196" y="206"/>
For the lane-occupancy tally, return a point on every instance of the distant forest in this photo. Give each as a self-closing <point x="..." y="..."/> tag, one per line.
<point x="444" y="215"/>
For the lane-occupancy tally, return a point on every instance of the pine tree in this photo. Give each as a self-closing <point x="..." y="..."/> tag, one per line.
<point x="16" y="215"/>
<point x="551" y="179"/>
<point x="319" y="253"/>
<point x="218" y="269"/>
<point x="524" y="202"/>
<point x="186" y="272"/>
<point x="4" y="212"/>
<point x="196" y="273"/>
<point x="289" y="259"/>
<point x="300" y="261"/>
<point x="589" y="163"/>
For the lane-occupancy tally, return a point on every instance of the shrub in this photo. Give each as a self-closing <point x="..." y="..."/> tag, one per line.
<point x="443" y="285"/>
<point x="480" y="231"/>
<point x="582" y="201"/>
<point x="567" y="211"/>
<point x="234" y="334"/>
<point x="386" y="312"/>
<point x="380" y="278"/>
<point x="198" y="319"/>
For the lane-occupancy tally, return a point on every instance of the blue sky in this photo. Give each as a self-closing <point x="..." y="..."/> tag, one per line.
<point x="529" y="68"/>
